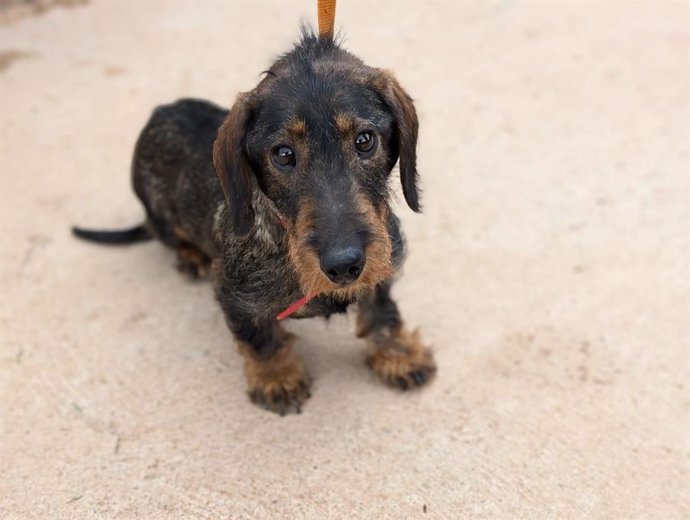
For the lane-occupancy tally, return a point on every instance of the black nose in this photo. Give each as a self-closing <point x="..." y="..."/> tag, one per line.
<point x="343" y="265"/>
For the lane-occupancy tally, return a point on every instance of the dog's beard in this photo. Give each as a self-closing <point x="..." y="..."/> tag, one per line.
<point x="305" y="260"/>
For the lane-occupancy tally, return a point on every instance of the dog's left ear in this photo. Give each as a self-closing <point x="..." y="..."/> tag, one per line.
<point x="401" y="106"/>
<point x="232" y="166"/>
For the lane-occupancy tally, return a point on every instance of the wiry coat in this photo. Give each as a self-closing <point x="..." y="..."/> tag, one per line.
<point x="212" y="189"/>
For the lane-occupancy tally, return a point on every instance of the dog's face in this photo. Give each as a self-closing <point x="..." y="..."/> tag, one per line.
<point x="319" y="136"/>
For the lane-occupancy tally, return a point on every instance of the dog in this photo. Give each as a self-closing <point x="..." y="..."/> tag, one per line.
<point x="285" y="201"/>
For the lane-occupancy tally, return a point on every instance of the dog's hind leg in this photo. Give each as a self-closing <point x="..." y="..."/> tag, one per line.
<point x="191" y="260"/>
<point x="397" y="356"/>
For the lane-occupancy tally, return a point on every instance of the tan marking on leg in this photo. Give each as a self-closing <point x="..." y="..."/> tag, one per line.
<point x="279" y="383"/>
<point x="192" y="261"/>
<point x="181" y="234"/>
<point x="399" y="358"/>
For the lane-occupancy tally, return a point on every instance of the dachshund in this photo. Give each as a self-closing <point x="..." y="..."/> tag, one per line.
<point x="285" y="202"/>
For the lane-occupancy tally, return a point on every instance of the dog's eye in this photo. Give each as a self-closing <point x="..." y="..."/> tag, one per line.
<point x="365" y="142"/>
<point x="283" y="157"/>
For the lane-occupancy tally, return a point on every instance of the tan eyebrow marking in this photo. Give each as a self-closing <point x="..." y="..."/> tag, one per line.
<point x="344" y="123"/>
<point x="297" y="128"/>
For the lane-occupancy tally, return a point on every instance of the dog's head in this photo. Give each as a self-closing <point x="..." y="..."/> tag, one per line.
<point x="320" y="136"/>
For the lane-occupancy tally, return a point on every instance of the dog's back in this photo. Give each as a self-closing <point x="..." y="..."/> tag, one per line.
<point x="173" y="175"/>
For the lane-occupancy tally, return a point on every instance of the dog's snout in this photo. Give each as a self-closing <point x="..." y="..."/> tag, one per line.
<point x="343" y="264"/>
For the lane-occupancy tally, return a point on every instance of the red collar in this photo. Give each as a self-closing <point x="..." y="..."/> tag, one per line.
<point x="295" y="306"/>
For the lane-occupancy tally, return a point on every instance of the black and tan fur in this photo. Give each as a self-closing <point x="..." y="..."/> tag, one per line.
<point x="265" y="230"/>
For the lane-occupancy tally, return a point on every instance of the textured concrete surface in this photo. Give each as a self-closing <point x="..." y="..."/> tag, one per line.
<point x="549" y="271"/>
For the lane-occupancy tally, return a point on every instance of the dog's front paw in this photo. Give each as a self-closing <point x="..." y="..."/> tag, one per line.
<point x="400" y="359"/>
<point x="279" y="384"/>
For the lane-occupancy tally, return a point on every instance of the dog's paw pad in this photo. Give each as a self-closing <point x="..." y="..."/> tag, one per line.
<point x="281" y="400"/>
<point x="401" y="360"/>
<point x="418" y="376"/>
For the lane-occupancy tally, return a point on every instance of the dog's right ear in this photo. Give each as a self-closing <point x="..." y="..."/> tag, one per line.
<point x="232" y="166"/>
<point x="401" y="106"/>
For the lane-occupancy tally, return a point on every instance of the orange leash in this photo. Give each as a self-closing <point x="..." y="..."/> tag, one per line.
<point x="326" y="10"/>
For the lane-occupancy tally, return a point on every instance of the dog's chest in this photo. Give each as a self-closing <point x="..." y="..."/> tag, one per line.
<point x="323" y="306"/>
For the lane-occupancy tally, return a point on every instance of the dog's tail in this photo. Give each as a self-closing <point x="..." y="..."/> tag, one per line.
<point x="115" y="237"/>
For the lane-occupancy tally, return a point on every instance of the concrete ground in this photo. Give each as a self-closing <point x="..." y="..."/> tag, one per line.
<point x="549" y="272"/>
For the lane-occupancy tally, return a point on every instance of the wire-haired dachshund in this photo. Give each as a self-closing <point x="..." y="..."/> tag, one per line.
<point x="300" y="223"/>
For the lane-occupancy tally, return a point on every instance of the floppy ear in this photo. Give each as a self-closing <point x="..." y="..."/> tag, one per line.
<point x="401" y="106"/>
<point x="232" y="166"/>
